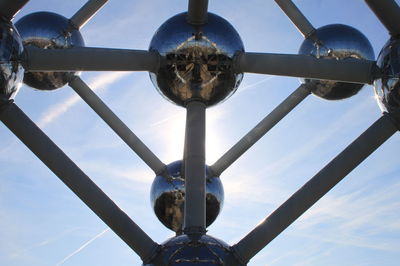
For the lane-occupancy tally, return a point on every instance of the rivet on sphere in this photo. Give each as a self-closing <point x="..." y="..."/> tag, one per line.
<point x="338" y="42"/>
<point x="48" y="31"/>
<point x="167" y="198"/>
<point x="197" y="60"/>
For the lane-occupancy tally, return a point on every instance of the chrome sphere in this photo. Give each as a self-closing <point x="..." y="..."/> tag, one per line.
<point x="197" y="61"/>
<point x="11" y="70"/>
<point x="338" y="42"/>
<point x="167" y="197"/>
<point x="182" y="250"/>
<point x="49" y="31"/>
<point x="387" y="87"/>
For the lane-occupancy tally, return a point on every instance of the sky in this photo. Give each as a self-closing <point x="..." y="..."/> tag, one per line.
<point x="357" y="223"/>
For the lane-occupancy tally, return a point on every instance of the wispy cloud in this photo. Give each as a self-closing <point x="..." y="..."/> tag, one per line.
<point x="82" y="247"/>
<point x="100" y="82"/>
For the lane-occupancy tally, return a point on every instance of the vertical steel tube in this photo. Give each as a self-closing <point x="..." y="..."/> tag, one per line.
<point x="86" y="12"/>
<point x="117" y="125"/>
<point x="197" y="12"/>
<point x="295" y="15"/>
<point x="388" y="12"/>
<point x="69" y="173"/>
<point x="9" y="8"/>
<point x="195" y="174"/>
<point x="316" y="188"/>
<point x="260" y="130"/>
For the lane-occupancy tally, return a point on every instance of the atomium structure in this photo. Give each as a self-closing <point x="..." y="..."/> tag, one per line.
<point x="196" y="59"/>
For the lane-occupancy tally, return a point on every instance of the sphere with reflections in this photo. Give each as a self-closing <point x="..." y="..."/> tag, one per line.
<point x="197" y="60"/>
<point x="167" y="197"/>
<point x="338" y="42"/>
<point x="48" y="31"/>
<point x="11" y="70"/>
<point x="206" y="250"/>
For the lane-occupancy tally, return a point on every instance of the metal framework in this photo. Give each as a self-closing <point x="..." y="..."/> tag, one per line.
<point x="104" y="59"/>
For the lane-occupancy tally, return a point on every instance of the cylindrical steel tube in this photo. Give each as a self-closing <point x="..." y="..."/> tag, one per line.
<point x="388" y="12"/>
<point x="86" y="12"/>
<point x="197" y="12"/>
<point x="316" y="188"/>
<point x="9" y="8"/>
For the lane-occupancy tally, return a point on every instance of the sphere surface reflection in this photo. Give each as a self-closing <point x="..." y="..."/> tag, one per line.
<point x="11" y="70"/>
<point x="48" y="31"/>
<point x="207" y="250"/>
<point x="167" y="198"/>
<point x="387" y="88"/>
<point x="338" y="42"/>
<point x="197" y="60"/>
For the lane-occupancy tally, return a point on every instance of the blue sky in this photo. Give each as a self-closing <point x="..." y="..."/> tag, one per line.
<point x="357" y="223"/>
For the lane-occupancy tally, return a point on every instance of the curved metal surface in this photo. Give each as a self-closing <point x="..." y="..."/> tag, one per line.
<point x="336" y="41"/>
<point x="49" y="31"/>
<point x="387" y="87"/>
<point x="11" y="70"/>
<point x="197" y="60"/>
<point x="167" y="197"/>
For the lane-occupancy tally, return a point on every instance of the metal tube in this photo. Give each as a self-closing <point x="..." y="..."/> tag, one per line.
<point x="89" y="59"/>
<point x="388" y="12"/>
<point x="9" y="8"/>
<point x="117" y="125"/>
<point x="86" y="12"/>
<point x="69" y="173"/>
<point x="259" y="130"/>
<point x="295" y="15"/>
<point x="316" y="188"/>
<point x="195" y="172"/>
<point x="349" y="70"/>
<point x="197" y="12"/>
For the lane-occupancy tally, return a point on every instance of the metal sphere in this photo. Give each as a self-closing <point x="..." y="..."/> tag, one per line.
<point x="11" y="70"/>
<point x="167" y="197"/>
<point x="338" y="42"/>
<point x="49" y="31"/>
<point x="197" y="60"/>
<point x="387" y="87"/>
<point x="182" y="250"/>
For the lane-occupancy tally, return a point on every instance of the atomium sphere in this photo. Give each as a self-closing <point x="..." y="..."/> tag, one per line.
<point x="49" y="31"/>
<point x="11" y="70"/>
<point x="387" y="88"/>
<point x="197" y="60"/>
<point x="167" y="197"/>
<point x="339" y="42"/>
<point x="184" y="251"/>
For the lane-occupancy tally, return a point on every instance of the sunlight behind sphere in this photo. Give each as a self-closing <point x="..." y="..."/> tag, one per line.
<point x="338" y="42"/>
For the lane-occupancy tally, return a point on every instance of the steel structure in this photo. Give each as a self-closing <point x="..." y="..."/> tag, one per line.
<point x="201" y="79"/>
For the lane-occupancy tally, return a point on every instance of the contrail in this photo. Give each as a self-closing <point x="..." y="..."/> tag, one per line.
<point x="56" y="110"/>
<point x="82" y="247"/>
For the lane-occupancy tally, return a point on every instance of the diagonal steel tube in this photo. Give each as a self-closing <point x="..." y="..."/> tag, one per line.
<point x="316" y="188"/>
<point x="197" y="12"/>
<point x="86" y="12"/>
<point x="388" y="12"/>
<point x="69" y="173"/>
<point x="89" y="59"/>
<point x="195" y="171"/>
<point x="305" y="66"/>
<point x="117" y="125"/>
<point x="259" y="130"/>
<point x="9" y="8"/>
<point x="297" y="17"/>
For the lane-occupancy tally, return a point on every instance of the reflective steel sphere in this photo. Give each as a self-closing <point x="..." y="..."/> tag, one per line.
<point x="11" y="71"/>
<point x="387" y="88"/>
<point x="197" y="60"/>
<point x="338" y="42"/>
<point x="182" y="250"/>
<point x="49" y="31"/>
<point x="167" y="197"/>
